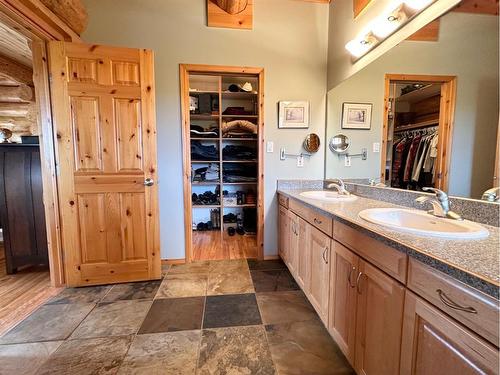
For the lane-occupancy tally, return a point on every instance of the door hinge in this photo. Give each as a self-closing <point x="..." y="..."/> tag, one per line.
<point x="58" y="170"/>
<point x="50" y="77"/>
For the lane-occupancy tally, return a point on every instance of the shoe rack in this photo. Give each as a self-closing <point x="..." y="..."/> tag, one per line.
<point x="206" y="231"/>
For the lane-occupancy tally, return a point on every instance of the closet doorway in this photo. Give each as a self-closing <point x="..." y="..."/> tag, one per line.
<point x="222" y="121"/>
<point x="417" y="131"/>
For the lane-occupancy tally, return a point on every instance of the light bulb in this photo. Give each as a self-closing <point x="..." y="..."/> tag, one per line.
<point x="358" y="47"/>
<point x="386" y="25"/>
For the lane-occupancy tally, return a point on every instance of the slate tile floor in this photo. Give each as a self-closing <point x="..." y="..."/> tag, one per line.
<point x="221" y="317"/>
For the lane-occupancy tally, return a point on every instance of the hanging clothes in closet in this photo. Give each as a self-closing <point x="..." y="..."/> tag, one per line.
<point x="414" y="156"/>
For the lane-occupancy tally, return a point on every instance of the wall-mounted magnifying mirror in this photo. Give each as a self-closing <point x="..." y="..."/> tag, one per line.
<point x="339" y="143"/>
<point x="311" y="143"/>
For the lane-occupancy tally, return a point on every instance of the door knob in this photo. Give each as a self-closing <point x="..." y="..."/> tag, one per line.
<point x="149" y="182"/>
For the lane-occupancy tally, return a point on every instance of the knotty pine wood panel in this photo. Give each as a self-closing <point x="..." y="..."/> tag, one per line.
<point x="82" y="70"/>
<point x="133" y="228"/>
<point x="86" y="132"/>
<point x="128" y="127"/>
<point x="92" y="227"/>
<point x="125" y="73"/>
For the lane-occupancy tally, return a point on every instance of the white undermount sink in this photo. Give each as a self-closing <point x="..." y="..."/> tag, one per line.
<point x="424" y="224"/>
<point x="328" y="196"/>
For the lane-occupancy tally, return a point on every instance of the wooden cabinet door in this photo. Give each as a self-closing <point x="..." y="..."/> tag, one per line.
<point x="104" y="117"/>
<point x="303" y="274"/>
<point x="284" y="233"/>
<point x="379" y="319"/>
<point x="342" y="310"/>
<point x="293" y="223"/>
<point x="432" y="342"/>
<point x="319" y="245"/>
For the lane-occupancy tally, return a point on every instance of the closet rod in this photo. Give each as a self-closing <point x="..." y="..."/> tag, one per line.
<point x="416" y="126"/>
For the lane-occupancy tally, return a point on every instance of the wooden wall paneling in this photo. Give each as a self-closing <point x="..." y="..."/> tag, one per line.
<point x="478" y="7"/>
<point x="41" y="22"/>
<point x="72" y="12"/>
<point x="359" y="5"/>
<point x="218" y="17"/>
<point x="15" y="45"/>
<point x="48" y="158"/>
<point x="428" y="33"/>
<point x="16" y="94"/>
<point x="62" y="125"/>
<point x="260" y="186"/>
<point x="150" y="159"/>
<point x="496" y="172"/>
<point x="20" y="73"/>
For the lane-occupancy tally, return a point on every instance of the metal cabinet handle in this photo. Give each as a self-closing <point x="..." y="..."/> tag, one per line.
<point x="317" y="221"/>
<point x="448" y="302"/>
<point x="358" y="282"/>
<point x="349" y="280"/>
<point x="324" y="255"/>
<point x="149" y="182"/>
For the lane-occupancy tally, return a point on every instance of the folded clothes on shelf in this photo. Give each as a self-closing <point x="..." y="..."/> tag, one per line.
<point x="236" y="111"/>
<point x="237" y="128"/>
<point x="237" y="152"/>
<point x="200" y="151"/>
<point x="206" y="174"/>
<point x="239" y="173"/>
<point x="200" y="131"/>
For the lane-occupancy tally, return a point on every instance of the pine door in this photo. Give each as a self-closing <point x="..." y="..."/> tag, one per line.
<point x="104" y="119"/>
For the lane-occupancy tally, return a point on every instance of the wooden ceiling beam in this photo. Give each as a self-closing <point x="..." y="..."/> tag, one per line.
<point x="478" y="7"/>
<point x="16" y="71"/>
<point x="72" y="12"/>
<point x="16" y="94"/>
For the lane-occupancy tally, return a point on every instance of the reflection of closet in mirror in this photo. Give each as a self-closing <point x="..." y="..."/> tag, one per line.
<point x="417" y="131"/>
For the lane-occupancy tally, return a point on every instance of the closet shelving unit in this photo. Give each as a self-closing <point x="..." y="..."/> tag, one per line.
<point x="214" y="242"/>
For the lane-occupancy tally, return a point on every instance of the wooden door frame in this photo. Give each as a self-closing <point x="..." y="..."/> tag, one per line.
<point x="184" y="71"/>
<point x="445" y="127"/>
<point x="40" y="25"/>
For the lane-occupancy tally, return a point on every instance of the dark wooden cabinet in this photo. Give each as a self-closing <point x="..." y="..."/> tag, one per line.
<point x="22" y="216"/>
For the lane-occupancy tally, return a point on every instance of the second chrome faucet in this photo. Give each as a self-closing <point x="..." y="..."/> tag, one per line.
<point x="440" y="204"/>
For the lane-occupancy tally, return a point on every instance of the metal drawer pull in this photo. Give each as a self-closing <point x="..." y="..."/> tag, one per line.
<point x="324" y="253"/>
<point x="317" y="221"/>
<point x="358" y="282"/>
<point x="349" y="281"/>
<point x="448" y="302"/>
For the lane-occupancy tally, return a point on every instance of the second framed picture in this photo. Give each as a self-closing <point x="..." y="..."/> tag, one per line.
<point x="356" y="115"/>
<point x="293" y="115"/>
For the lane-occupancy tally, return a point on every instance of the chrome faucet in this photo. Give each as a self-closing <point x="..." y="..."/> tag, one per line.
<point x="491" y="195"/>
<point x="338" y="185"/>
<point x="373" y="182"/>
<point x="440" y="204"/>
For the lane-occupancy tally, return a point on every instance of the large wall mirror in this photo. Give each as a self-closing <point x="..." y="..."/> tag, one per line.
<point x="435" y="108"/>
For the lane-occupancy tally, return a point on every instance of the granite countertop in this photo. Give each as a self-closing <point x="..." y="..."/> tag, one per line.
<point x="474" y="262"/>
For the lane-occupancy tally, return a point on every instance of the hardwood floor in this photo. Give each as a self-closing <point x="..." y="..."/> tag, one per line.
<point x="21" y="294"/>
<point x="212" y="245"/>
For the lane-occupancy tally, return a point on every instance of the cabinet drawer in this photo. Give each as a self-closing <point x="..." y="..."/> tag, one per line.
<point x="385" y="257"/>
<point x="283" y="200"/>
<point x="472" y="308"/>
<point x="320" y="221"/>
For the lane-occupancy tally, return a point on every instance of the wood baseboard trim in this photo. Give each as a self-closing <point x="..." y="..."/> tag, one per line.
<point x="271" y="257"/>
<point x="173" y="261"/>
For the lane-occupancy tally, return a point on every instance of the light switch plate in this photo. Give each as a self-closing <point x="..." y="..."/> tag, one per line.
<point x="347" y="161"/>
<point x="270" y="146"/>
<point x="300" y="161"/>
<point x="376" y="147"/>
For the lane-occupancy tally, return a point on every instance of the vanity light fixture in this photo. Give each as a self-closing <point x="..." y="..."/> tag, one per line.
<point x="358" y="47"/>
<point x="389" y="23"/>
<point x="399" y="14"/>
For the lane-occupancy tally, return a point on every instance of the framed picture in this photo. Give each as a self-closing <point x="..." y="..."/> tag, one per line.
<point x="293" y="115"/>
<point x="356" y="115"/>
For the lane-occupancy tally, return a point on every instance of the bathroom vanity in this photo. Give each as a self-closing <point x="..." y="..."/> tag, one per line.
<point x="395" y="303"/>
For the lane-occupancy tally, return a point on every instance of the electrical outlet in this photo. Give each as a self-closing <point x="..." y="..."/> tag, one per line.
<point x="376" y="147"/>
<point x="347" y="161"/>
<point x="300" y="161"/>
<point x="270" y="146"/>
<point x="282" y="153"/>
